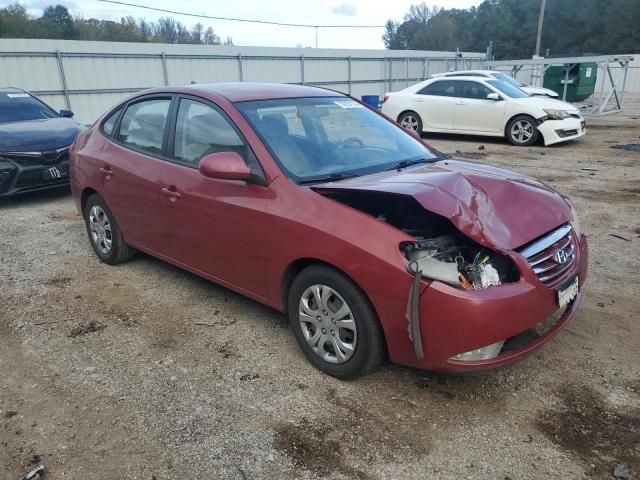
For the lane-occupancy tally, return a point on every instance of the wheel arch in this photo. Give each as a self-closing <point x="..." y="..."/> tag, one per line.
<point x="506" y="125"/>
<point x="298" y="265"/>
<point x="86" y="193"/>
<point x="408" y="110"/>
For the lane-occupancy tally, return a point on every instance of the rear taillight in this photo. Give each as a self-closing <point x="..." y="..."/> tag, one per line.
<point x="386" y="97"/>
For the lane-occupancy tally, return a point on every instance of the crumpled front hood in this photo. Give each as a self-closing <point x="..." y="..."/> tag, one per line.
<point x="539" y="91"/>
<point x="495" y="207"/>
<point x="38" y="135"/>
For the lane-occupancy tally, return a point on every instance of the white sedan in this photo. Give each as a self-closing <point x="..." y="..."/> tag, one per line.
<point x="531" y="90"/>
<point x="479" y="106"/>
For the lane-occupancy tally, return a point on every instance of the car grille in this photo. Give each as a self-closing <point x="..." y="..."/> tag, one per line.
<point x="27" y="159"/>
<point x="552" y="257"/>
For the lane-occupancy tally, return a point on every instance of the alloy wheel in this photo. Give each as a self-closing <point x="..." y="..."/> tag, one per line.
<point x="100" y="228"/>
<point x="522" y="131"/>
<point x="410" y="122"/>
<point x="327" y="324"/>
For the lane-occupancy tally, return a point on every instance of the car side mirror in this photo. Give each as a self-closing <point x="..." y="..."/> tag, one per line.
<point x="494" y="96"/>
<point x="224" y="166"/>
<point x="66" y="113"/>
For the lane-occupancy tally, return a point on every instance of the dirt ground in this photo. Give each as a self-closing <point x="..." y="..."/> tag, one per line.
<point x="144" y="371"/>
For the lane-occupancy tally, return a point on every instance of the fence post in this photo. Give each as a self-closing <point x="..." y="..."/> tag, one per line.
<point x="407" y="72"/>
<point x="349" y="74"/>
<point x="164" y="69"/>
<point x="240" y="69"/>
<point x="64" y="80"/>
<point x="302" y="68"/>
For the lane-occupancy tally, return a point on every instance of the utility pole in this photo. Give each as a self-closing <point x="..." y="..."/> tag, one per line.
<point x="540" y="20"/>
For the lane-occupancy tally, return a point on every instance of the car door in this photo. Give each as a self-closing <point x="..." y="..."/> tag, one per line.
<point x="130" y="165"/>
<point x="214" y="226"/>
<point x="474" y="112"/>
<point x="435" y="105"/>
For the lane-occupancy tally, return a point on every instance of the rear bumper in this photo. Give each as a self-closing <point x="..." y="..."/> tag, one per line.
<point x="16" y="179"/>
<point x="556" y="131"/>
<point x="454" y="321"/>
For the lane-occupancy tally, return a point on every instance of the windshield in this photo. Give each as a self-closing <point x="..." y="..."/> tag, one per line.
<point x="20" y="106"/>
<point x="507" y="89"/>
<point x="507" y="79"/>
<point x="330" y="137"/>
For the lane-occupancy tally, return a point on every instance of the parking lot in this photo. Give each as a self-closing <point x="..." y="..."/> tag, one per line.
<point x="146" y="371"/>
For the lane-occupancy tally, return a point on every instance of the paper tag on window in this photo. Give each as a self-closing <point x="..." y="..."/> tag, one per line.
<point x="17" y="95"/>
<point x="348" y="104"/>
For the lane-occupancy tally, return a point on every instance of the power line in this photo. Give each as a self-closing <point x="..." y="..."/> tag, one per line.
<point x="211" y="17"/>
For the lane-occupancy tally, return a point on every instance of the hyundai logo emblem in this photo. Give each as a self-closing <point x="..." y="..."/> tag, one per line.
<point x="561" y="256"/>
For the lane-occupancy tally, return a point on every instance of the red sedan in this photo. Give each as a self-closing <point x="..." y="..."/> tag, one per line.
<point x="374" y="244"/>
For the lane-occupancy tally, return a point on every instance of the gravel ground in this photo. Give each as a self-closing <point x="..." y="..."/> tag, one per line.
<point x="144" y="371"/>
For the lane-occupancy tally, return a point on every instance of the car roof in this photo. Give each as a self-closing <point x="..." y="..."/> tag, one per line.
<point x="459" y="77"/>
<point x="471" y="72"/>
<point x="11" y="90"/>
<point x="247" y="91"/>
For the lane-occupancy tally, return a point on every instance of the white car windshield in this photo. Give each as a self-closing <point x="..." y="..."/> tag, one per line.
<point x="329" y="138"/>
<point x="507" y="79"/>
<point x="508" y="90"/>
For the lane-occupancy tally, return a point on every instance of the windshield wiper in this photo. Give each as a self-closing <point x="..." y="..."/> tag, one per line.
<point x="407" y="163"/>
<point x="326" y="178"/>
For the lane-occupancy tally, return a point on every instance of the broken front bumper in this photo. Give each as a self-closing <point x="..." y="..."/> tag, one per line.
<point x="453" y="321"/>
<point x="555" y="131"/>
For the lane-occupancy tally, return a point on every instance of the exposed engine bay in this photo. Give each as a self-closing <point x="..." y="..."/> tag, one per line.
<point x="440" y="252"/>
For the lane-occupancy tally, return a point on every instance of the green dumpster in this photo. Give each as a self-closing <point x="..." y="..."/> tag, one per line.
<point x="581" y="81"/>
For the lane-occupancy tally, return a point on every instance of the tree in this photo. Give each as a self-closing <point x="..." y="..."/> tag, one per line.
<point x="59" y="21"/>
<point x="571" y="27"/>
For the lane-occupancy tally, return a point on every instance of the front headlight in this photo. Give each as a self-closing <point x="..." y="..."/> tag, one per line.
<point x="556" y="114"/>
<point x="575" y="222"/>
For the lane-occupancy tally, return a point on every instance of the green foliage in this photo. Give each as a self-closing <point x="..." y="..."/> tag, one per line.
<point x="57" y="22"/>
<point x="571" y="27"/>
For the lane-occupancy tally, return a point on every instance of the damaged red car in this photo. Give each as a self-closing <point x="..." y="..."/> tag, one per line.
<point x="374" y="244"/>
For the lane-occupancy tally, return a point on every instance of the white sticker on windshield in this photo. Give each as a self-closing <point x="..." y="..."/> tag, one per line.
<point x="348" y="104"/>
<point x="17" y="95"/>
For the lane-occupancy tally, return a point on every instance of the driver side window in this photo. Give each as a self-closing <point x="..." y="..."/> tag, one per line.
<point x="200" y="130"/>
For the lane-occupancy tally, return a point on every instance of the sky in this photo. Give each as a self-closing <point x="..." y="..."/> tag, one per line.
<point x="333" y="12"/>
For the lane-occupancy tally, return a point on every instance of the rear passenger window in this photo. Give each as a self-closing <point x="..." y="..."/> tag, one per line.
<point x="200" y="130"/>
<point x="441" y="88"/>
<point x="110" y="123"/>
<point x="142" y="125"/>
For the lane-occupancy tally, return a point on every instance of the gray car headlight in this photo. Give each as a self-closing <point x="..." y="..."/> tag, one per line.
<point x="575" y="222"/>
<point x="556" y="114"/>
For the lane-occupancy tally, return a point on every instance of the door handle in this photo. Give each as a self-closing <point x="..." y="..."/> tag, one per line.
<point x="106" y="171"/>
<point x="172" y="194"/>
<point x="418" y="100"/>
<point x="460" y="102"/>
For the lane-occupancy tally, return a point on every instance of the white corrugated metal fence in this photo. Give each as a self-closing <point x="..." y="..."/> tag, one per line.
<point x="90" y="77"/>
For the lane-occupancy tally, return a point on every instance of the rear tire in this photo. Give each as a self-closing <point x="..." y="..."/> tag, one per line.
<point x="340" y="335"/>
<point x="522" y="131"/>
<point x="411" y="121"/>
<point x="104" y="233"/>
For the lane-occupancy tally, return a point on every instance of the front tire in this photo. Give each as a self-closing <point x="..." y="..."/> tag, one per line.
<point x="334" y="323"/>
<point x="104" y="233"/>
<point x="411" y="121"/>
<point x="522" y="131"/>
